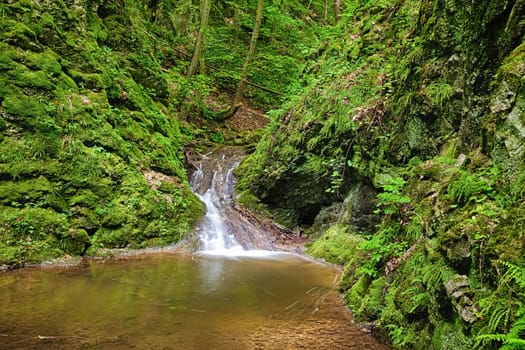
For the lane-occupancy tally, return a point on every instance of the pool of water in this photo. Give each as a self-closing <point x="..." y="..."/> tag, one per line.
<point x="179" y="301"/>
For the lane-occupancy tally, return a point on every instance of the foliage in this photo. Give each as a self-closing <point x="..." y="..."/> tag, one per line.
<point x="467" y="186"/>
<point x="336" y="245"/>
<point x="509" y="317"/>
<point x="439" y="92"/>
<point x="87" y="110"/>
<point x="391" y="199"/>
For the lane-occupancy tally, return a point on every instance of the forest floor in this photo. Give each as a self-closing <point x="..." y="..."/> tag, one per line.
<point x="247" y="118"/>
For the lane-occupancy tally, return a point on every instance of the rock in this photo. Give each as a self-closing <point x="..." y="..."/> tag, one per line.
<point x="456" y="283"/>
<point x="504" y="100"/>
<point x="459" y="292"/>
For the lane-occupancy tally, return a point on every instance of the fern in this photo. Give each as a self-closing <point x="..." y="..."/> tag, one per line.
<point x="501" y="312"/>
<point x="414" y="229"/>
<point x="439" y="92"/>
<point x="468" y="185"/>
<point x="516" y="273"/>
<point x="515" y="339"/>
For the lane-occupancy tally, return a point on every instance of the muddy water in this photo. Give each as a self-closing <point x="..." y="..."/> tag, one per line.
<point x="176" y="301"/>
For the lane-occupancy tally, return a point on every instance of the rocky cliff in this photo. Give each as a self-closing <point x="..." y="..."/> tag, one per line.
<point x="404" y="159"/>
<point x="91" y="147"/>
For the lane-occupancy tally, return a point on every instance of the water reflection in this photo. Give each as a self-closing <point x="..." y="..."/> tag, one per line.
<point x="178" y="302"/>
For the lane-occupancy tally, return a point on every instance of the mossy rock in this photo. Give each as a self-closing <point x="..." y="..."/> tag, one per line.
<point x="337" y="245"/>
<point x="46" y="61"/>
<point x="354" y="296"/>
<point x="34" y="191"/>
<point x="18" y="34"/>
<point x="154" y="229"/>
<point x="372" y="301"/>
<point x="7" y="57"/>
<point x="113" y="238"/>
<point x="412" y="299"/>
<point x="85" y="218"/>
<point x="30" y="235"/>
<point x="85" y="198"/>
<point x="23" y="77"/>
<point x="87" y="80"/>
<point x="75" y="241"/>
<point x="448" y="336"/>
<point x="116" y="217"/>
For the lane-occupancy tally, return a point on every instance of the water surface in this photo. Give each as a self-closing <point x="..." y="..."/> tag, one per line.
<point x="178" y="301"/>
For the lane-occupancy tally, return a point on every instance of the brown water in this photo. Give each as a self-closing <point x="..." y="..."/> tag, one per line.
<point x="177" y="301"/>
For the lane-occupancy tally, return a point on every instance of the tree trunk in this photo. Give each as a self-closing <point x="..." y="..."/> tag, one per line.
<point x="337" y="10"/>
<point x="237" y="101"/>
<point x="199" y="42"/>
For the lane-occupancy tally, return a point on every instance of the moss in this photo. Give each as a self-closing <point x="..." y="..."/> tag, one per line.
<point x="66" y="84"/>
<point x="7" y="57"/>
<point x="28" y="107"/>
<point x="34" y="190"/>
<point x="337" y="245"/>
<point x="354" y="295"/>
<point x="85" y="198"/>
<point x="372" y="301"/>
<point x="75" y="241"/>
<point x="30" y="234"/>
<point x="19" y="34"/>
<point x="447" y="336"/>
<point x="45" y="61"/>
<point x="86" y="80"/>
<point x="116" y="217"/>
<point x="113" y="237"/>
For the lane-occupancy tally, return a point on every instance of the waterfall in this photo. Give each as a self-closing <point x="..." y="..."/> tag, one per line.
<point x="223" y="230"/>
<point x="215" y="235"/>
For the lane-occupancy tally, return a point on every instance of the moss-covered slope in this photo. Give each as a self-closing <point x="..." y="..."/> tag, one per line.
<point x="406" y="151"/>
<point x="90" y="150"/>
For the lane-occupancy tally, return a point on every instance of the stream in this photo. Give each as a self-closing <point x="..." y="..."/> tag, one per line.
<point x="237" y="292"/>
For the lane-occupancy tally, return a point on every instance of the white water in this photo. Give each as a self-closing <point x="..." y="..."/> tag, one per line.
<point x="214" y="233"/>
<point x="213" y="182"/>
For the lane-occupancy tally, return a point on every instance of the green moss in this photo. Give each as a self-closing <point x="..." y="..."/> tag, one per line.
<point x="19" y="34"/>
<point x="30" y="234"/>
<point x="75" y="241"/>
<point x="447" y="336"/>
<point x="116" y="217"/>
<point x="8" y="56"/>
<point x="372" y="301"/>
<point x="113" y="237"/>
<point x="28" y="107"/>
<point x="18" y="193"/>
<point x="85" y="198"/>
<point x="354" y="295"/>
<point x="336" y="245"/>
<point x="45" y="61"/>
<point x="86" y="80"/>
<point x="66" y="85"/>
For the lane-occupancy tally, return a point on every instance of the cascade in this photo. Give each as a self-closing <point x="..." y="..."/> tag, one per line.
<point x="214" y="233"/>
<point x="223" y="230"/>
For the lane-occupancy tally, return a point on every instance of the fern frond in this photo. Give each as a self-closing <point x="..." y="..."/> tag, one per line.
<point x="439" y="92"/>
<point x="514" y="344"/>
<point x="503" y="312"/>
<point x="499" y="316"/>
<point x="514" y="272"/>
